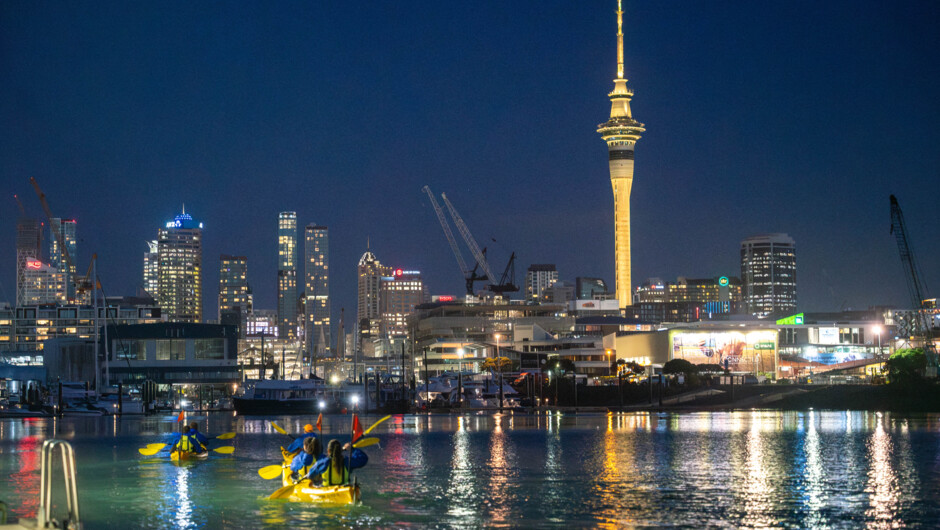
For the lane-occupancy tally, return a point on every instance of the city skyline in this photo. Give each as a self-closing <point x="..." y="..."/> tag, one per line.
<point x="763" y="118"/>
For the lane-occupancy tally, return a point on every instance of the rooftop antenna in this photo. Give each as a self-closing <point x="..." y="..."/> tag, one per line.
<point x="619" y="40"/>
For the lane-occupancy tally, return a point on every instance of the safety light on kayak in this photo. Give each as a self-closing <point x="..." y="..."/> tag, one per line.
<point x="322" y="405"/>
<point x="355" y="399"/>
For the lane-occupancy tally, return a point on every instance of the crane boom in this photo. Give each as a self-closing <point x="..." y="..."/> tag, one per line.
<point x="447" y="232"/>
<point x="468" y="238"/>
<point x="915" y="285"/>
<point x="60" y="241"/>
<point x="20" y="204"/>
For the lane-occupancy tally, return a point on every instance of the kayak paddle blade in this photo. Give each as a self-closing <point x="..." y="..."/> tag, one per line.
<point x="278" y="428"/>
<point x="151" y="449"/>
<point x="283" y="492"/>
<point x="226" y="436"/>
<point x="366" y="442"/>
<point x="269" y="472"/>
<point x="376" y="424"/>
<point x="227" y="450"/>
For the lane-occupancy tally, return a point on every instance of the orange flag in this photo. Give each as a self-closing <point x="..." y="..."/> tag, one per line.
<point x="356" y="429"/>
<point x="180" y="418"/>
<point x="320" y="422"/>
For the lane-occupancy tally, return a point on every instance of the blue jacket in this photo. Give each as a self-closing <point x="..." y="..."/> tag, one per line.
<point x="303" y="460"/>
<point x="298" y="444"/>
<point x="199" y="436"/>
<point x="356" y="460"/>
<point x="193" y="441"/>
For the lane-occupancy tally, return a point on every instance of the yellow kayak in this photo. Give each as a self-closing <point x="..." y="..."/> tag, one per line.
<point x="304" y="491"/>
<point x="178" y="456"/>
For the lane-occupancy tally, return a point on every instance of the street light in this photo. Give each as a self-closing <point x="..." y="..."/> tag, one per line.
<point x="878" y="330"/>
<point x="460" y="353"/>
<point x="610" y="368"/>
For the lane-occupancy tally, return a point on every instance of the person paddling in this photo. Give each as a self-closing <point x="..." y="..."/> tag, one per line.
<point x="312" y="451"/>
<point x="194" y="432"/>
<point x="186" y="443"/>
<point x="298" y="444"/>
<point x="332" y="468"/>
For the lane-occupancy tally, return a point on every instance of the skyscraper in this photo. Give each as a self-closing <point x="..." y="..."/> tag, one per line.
<point x="66" y="229"/>
<point x="179" y="246"/>
<point x="152" y="269"/>
<point x="768" y="271"/>
<point x="43" y="284"/>
<point x="621" y="132"/>
<point x="400" y="293"/>
<point x="28" y="241"/>
<point x="287" y="298"/>
<point x="369" y="313"/>
<point x="317" y="289"/>
<point x="234" y="293"/>
<point x="538" y="278"/>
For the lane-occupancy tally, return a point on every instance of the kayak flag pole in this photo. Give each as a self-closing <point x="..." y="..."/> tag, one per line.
<point x="180" y="417"/>
<point x="320" y="424"/>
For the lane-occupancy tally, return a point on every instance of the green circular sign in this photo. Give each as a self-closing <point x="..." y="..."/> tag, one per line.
<point x="723" y="281"/>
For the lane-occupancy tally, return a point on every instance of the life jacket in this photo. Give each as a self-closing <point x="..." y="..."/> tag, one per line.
<point x="189" y="444"/>
<point x="330" y="477"/>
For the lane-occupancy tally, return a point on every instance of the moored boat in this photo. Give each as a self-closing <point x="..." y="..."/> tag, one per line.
<point x="298" y="396"/>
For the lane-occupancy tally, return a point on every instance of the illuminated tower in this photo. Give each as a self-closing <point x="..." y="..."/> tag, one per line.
<point x="621" y="133"/>
<point x="179" y="277"/>
<point x="317" y="290"/>
<point x="287" y="275"/>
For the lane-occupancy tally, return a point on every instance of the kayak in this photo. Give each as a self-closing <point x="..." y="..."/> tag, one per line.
<point x="177" y="456"/>
<point x="304" y="491"/>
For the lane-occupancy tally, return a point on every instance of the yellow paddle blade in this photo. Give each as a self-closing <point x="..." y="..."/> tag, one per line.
<point x="226" y="436"/>
<point x="269" y="472"/>
<point x="151" y="449"/>
<point x="278" y="428"/>
<point x="376" y="424"/>
<point x="227" y="450"/>
<point x="283" y="492"/>
<point x="366" y="442"/>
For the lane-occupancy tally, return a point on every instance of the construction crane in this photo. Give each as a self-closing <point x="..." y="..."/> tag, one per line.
<point x="468" y="239"/>
<point x="915" y="285"/>
<point x="470" y="275"/>
<point x="82" y="284"/>
<point x="20" y="204"/>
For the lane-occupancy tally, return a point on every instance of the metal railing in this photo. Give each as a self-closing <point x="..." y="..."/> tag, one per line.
<point x="44" y="514"/>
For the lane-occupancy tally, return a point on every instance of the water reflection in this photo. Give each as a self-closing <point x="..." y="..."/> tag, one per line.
<point x="882" y="480"/>
<point x="460" y="491"/>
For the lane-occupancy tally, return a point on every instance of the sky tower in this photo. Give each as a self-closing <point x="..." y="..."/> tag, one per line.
<point x="621" y="133"/>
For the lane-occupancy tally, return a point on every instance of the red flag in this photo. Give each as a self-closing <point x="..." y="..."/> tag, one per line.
<point x="357" y="428"/>
<point x="180" y="418"/>
<point x="320" y="422"/>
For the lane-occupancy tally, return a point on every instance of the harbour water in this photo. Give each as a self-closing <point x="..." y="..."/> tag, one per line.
<point x="742" y="469"/>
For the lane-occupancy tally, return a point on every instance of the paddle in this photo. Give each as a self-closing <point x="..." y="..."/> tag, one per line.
<point x="374" y="425"/>
<point x="279" y="429"/>
<point x="226" y="436"/>
<point x="272" y="471"/>
<point x="283" y="492"/>
<point x="227" y="450"/>
<point x="151" y="449"/>
<point x="366" y="442"/>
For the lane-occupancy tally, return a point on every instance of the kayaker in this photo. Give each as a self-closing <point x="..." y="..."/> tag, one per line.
<point x="312" y="451"/>
<point x="186" y="443"/>
<point x="194" y="431"/>
<point x="332" y="469"/>
<point x="298" y="444"/>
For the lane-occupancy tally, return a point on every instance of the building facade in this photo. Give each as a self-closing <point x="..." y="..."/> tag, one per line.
<point x="234" y="292"/>
<point x="66" y="229"/>
<point x="768" y="273"/>
<point x="317" y="290"/>
<point x="621" y="133"/>
<point x="43" y="284"/>
<point x="687" y="300"/>
<point x="590" y="288"/>
<point x="400" y="294"/>
<point x="287" y="299"/>
<point x="369" y="312"/>
<point x="538" y="278"/>
<point x="28" y="249"/>
<point x="179" y="285"/>
<point x="152" y="269"/>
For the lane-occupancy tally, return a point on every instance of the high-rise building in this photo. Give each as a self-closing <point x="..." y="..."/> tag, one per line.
<point x="58" y="259"/>
<point x="401" y="292"/>
<point x="686" y="300"/>
<point x="152" y="269"/>
<point x="317" y="289"/>
<point x="287" y="298"/>
<point x="621" y="132"/>
<point x="234" y="292"/>
<point x="28" y="250"/>
<point x="179" y="285"/>
<point x="538" y="278"/>
<point x="369" y="313"/>
<point x="590" y="288"/>
<point x="43" y="284"/>
<point x="768" y="270"/>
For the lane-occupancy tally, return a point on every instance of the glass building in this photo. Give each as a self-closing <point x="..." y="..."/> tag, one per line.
<point x="538" y="278"/>
<point x="152" y="269"/>
<point x="66" y="229"/>
<point x="234" y="292"/>
<point x="179" y="246"/>
<point x="317" y="289"/>
<point x="287" y="298"/>
<point x="768" y="272"/>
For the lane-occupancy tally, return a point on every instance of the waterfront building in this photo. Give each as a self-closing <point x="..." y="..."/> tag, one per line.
<point x="369" y="313"/>
<point x="768" y="272"/>
<point x="234" y="292"/>
<point x="261" y="322"/>
<point x="179" y="288"/>
<point x="400" y="294"/>
<point x="687" y="300"/>
<point x="560" y="292"/>
<point x="64" y="256"/>
<point x="317" y="290"/>
<point x="28" y="250"/>
<point x="43" y="284"/>
<point x="591" y="289"/>
<point x="538" y="278"/>
<point x="152" y="269"/>
<point x="621" y="133"/>
<point x="287" y="298"/>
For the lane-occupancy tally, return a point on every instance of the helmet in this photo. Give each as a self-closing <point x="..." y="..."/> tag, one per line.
<point x="308" y="428"/>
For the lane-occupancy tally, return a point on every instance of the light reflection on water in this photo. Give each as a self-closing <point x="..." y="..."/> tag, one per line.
<point x="746" y="468"/>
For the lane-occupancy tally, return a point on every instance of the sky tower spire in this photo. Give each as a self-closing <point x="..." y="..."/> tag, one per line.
<point x="619" y="41"/>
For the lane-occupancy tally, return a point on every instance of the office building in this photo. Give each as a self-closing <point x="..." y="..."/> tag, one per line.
<point x="621" y="133"/>
<point x="369" y="312"/>
<point x="590" y="288"/>
<point x="43" y="284"/>
<point x="287" y="298"/>
<point x="28" y="250"/>
<point x="64" y="256"/>
<point x="152" y="269"/>
<point x="687" y="300"/>
<point x="234" y="292"/>
<point x="538" y="278"/>
<point x="317" y="290"/>
<point x="400" y="294"/>
<point x="179" y="245"/>
<point x="768" y="272"/>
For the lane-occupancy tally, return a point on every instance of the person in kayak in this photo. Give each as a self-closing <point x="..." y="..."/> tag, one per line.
<point x="298" y="444"/>
<point x="332" y="469"/>
<point x="194" y="432"/>
<point x="184" y="442"/>
<point x="312" y="451"/>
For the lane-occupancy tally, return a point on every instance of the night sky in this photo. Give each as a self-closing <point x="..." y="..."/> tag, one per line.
<point x="798" y="117"/>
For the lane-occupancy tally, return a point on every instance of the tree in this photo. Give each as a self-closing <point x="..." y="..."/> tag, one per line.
<point x="679" y="366"/>
<point x="906" y="365"/>
<point x="716" y="368"/>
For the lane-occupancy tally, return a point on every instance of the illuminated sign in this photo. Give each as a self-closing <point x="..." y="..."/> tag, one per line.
<point x="791" y="320"/>
<point x="399" y="272"/>
<point x="723" y="281"/>
<point x="828" y="335"/>
<point x="34" y="264"/>
<point x="445" y="298"/>
<point x="738" y="350"/>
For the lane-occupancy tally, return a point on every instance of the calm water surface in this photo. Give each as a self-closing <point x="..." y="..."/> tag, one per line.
<point x="749" y="468"/>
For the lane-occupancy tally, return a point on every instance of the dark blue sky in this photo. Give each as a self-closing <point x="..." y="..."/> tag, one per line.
<point x="798" y="117"/>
